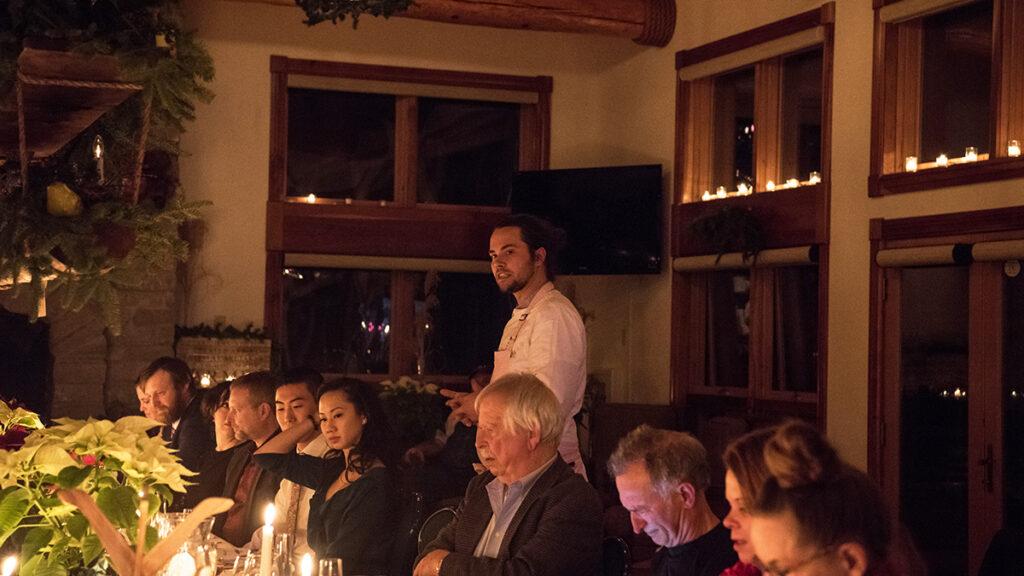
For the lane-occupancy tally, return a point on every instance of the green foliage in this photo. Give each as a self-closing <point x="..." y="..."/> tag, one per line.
<point x="112" y="461"/>
<point x="415" y="410"/>
<point x="730" y="229"/>
<point x="334" y="10"/>
<point x="220" y="332"/>
<point x="112" y="245"/>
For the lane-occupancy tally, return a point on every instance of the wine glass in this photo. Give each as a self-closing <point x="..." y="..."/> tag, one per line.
<point x="330" y="567"/>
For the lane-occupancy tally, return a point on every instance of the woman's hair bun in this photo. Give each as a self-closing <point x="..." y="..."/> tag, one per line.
<point x="798" y="455"/>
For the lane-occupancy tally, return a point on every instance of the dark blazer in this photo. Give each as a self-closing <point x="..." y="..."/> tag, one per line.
<point x="263" y="491"/>
<point x="194" y="439"/>
<point x="556" y="531"/>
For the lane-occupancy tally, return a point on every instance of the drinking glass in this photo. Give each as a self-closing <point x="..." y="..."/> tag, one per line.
<point x="330" y="567"/>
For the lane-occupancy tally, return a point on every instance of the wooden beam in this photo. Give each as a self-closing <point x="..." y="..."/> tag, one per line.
<point x="646" y="22"/>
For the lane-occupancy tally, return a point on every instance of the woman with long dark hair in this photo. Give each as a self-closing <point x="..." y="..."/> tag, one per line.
<point x="350" y="511"/>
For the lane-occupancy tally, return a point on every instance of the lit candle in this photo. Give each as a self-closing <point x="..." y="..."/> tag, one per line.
<point x="743" y="189"/>
<point x="770" y="186"/>
<point x="348" y="201"/>
<point x="910" y="164"/>
<point x="942" y="160"/>
<point x="10" y="563"/>
<point x="792" y="183"/>
<point x="1013" y="149"/>
<point x="720" y="192"/>
<point x="971" y="154"/>
<point x="205" y="381"/>
<point x="97" y="154"/>
<point x="706" y="196"/>
<point x="383" y="203"/>
<point x="306" y="565"/>
<point x="267" y="545"/>
<point x="815" y="178"/>
<point x="311" y="199"/>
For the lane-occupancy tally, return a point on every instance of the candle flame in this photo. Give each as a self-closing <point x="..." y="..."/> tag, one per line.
<point x="268" y="515"/>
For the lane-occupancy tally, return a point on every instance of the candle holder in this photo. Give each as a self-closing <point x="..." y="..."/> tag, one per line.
<point x="743" y="189"/>
<point x="706" y="196"/>
<point x="1013" y="149"/>
<point x="942" y="160"/>
<point x="910" y="164"/>
<point x="720" y="192"/>
<point x="814" y="178"/>
<point x="770" y="186"/>
<point x="311" y="199"/>
<point x="971" y="154"/>
<point x="792" y="183"/>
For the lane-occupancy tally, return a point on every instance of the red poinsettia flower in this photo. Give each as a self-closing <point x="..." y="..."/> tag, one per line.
<point x="14" y="438"/>
<point x="742" y="569"/>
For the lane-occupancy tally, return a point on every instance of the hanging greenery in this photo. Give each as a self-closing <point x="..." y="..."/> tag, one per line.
<point x="318" y="11"/>
<point x="74" y="223"/>
<point x="730" y="229"/>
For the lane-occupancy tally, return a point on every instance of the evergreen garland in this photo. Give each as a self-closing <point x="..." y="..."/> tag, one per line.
<point x="318" y="11"/>
<point x="86" y="236"/>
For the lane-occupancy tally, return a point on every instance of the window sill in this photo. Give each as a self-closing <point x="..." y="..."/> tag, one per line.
<point x="991" y="170"/>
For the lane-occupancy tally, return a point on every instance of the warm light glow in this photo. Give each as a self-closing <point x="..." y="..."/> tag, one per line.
<point x="97" y="148"/>
<point x="814" y="178"/>
<point x="383" y="203"/>
<point x="348" y="201"/>
<point x="306" y="565"/>
<point x="720" y="192"/>
<point x="971" y="154"/>
<point x="942" y="160"/>
<point x="706" y="196"/>
<point x="743" y="189"/>
<point x="792" y="183"/>
<point x="958" y="393"/>
<point x="268" y="515"/>
<point x="10" y="563"/>
<point x="1013" y="149"/>
<point x="770" y="186"/>
<point x="910" y="164"/>
<point x="229" y="378"/>
<point x="205" y="381"/>
<point x="311" y="199"/>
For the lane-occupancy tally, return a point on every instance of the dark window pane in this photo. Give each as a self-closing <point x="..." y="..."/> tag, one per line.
<point x="459" y="319"/>
<point x="341" y="144"/>
<point x="795" y="365"/>
<point x="933" y="420"/>
<point x="728" y="329"/>
<point x="1013" y="401"/>
<point x="801" y="115"/>
<point x="956" y="68"/>
<point x="468" y="151"/>
<point x="337" y="321"/>
<point x="734" y="129"/>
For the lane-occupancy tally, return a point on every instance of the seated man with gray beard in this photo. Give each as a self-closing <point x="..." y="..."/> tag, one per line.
<point x="529" y="513"/>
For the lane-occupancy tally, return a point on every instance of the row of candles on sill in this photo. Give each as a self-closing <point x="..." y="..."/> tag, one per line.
<point x="910" y="164"/>
<point x="311" y="199"/>
<point x="744" y="189"/>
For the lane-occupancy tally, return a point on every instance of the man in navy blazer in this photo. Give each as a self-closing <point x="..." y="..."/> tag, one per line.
<point x="530" y="513"/>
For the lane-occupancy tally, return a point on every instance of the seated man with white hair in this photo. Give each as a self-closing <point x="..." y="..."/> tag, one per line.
<point x="529" y="513"/>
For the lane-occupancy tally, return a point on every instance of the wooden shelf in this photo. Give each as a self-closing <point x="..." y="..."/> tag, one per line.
<point x="62" y="95"/>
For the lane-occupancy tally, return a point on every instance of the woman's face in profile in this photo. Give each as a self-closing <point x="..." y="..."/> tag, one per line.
<point x="738" y="519"/>
<point x="340" y="423"/>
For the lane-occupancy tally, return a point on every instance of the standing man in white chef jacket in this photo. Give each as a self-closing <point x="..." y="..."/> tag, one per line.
<point x="545" y="335"/>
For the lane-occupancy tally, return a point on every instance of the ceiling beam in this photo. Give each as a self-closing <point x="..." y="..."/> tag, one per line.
<point x="646" y="22"/>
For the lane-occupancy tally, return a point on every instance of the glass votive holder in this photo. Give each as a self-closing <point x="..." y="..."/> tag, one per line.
<point x="706" y="196"/>
<point x="942" y="160"/>
<point x="720" y="192"/>
<point x="770" y="186"/>
<point x="1013" y="149"/>
<point x="814" y="178"/>
<point x="971" y="154"/>
<point x="910" y="164"/>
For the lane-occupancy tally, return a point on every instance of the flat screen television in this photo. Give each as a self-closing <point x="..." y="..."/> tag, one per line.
<point x="612" y="216"/>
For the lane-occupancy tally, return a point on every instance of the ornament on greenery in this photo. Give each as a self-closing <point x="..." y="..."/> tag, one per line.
<point x="62" y="201"/>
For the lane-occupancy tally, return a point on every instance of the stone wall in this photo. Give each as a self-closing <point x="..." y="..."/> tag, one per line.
<point x="93" y="371"/>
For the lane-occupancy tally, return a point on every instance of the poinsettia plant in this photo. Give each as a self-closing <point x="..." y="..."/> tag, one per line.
<point x="117" y="463"/>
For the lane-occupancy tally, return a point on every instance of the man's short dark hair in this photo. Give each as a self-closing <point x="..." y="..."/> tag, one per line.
<point x="537" y="233"/>
<point x="176" y="368"/>
<point x="303" y="375"/>
<point x="260" y="385"/>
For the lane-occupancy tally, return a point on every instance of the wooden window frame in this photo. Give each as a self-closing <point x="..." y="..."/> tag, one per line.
<point x="985" y="363"/>
<point x="896" y="101"/>
<point x="401" y="227"/>
<point x="789" y="218"/>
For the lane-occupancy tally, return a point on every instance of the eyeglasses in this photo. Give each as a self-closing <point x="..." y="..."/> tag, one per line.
<point x="772" y="570"/>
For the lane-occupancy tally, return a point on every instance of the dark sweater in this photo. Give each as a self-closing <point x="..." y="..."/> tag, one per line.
<point x="708" y="555"/>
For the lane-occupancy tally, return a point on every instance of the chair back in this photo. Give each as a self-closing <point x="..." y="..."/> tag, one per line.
<point x="433" y="525"/>
<point x="403" y="550"/>
<point x="615" y="557"/>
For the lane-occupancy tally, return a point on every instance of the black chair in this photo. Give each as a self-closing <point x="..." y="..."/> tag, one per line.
<point x="1003" y="556"/>
<point x="433" y="525"/>
<point x="403" y="550"/>
<point x="615" y="557"/>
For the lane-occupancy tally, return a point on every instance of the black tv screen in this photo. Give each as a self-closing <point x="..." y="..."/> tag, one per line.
<point x="612" y="216"/>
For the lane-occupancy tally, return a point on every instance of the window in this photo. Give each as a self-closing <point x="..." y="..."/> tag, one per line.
<point x="384" y="185"/>
<point x="947" y="98"/>
<point x="748" y="332"/>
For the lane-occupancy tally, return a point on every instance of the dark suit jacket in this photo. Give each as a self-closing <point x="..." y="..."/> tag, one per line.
<point x="556" y="531"/>
<point x="193" y="439"/>
<point x="263" y="492"/>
